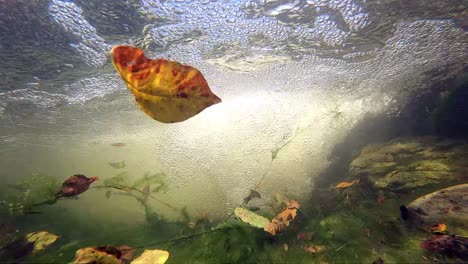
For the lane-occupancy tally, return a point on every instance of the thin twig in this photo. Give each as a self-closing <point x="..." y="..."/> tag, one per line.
<point x="257" y="186"/>
<point x="276" y="152"/>
<point x="126" y="188"/>
<point x="342" y="246"/>
<point x="50" y="202"/>
<point x="181" y="238"/>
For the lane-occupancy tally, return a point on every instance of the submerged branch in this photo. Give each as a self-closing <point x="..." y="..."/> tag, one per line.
<point x="49" y="202"/>
<point x="183" y="237"/>
<point x="260" y="182"/>
<point x="275" y="152"/>
<point x="127" y="188"/>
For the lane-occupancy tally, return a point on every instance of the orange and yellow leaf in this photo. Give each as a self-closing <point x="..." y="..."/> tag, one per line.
<point x="283" y="219"/>
<point x="165" y="90"/>
<point x="343" y="185"/>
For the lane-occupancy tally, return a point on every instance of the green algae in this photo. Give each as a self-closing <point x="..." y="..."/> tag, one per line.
<point x="409" y="164"/>
<point x="351" y="224"/>
<point x="357" y="230"/>
<point x="20" y="198"/>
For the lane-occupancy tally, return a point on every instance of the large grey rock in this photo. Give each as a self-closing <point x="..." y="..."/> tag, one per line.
<point x="406" y="164"/>
<point x="448" y="206"/>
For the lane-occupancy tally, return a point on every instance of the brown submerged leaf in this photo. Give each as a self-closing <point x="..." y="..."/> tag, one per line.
<point x="104" y="255"/>
<point x="119" y="145"/>
<point x="343" y="185"/>
<point x="314" y="249"/>
<point x="75" y="185"/>
<point x="283" y="219"/>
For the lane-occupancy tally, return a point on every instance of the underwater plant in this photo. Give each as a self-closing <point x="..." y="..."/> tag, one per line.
<point x="140" y="189"/>
<point x="20" y="198"/>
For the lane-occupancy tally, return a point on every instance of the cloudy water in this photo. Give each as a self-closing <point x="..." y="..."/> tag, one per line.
<point x="334" y="114"/>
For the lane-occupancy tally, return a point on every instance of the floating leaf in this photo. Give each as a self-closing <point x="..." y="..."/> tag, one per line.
<point x="251" y="218"/>
<point x="165" y="90"/>
<point x="117" y="165"/>
<point x="41" y="239"/>
<point x="75" y="185"/>
<point x="108" y="194"/>
<point x="283" y="219"/>
<point x="342" y="185"/>
<point x="154" y="256"/>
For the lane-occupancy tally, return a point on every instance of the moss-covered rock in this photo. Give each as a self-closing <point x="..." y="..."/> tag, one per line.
<point x="449" y="206"/>
<point x="402" y="165"/>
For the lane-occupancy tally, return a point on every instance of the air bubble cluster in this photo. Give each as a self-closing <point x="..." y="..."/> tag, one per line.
<point x="85" y="39"/>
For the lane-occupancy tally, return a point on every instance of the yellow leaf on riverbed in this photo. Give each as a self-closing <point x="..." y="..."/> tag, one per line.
<point x="154" y="256"/>
<point x="41" y="240"/>
<point x="251" y="218"/>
